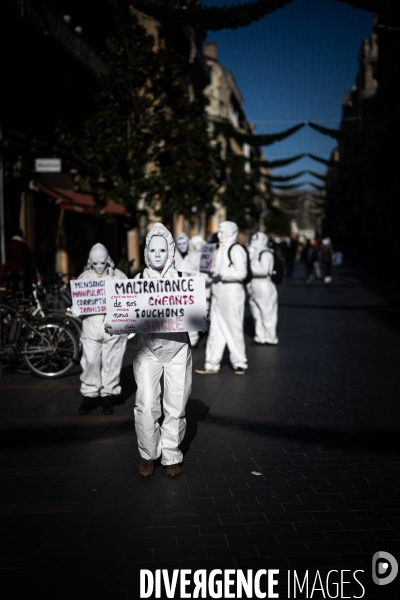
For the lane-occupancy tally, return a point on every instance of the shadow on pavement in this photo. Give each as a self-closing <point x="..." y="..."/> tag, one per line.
<point x="337" y="307"/>
<point x="382" y="440"/>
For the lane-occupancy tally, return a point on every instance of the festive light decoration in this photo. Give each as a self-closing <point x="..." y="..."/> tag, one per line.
<point x="293" y="186"/>
<point x="257" y="140"/>
<point x="211" y="18"/>
<point x="282" y="178"/>
<point x="341" y="134"/>
<point x="374" y="6"/>
<point x="324" y="161"/>
<point x="274" y="164"/>
<point x="321" y="177"/>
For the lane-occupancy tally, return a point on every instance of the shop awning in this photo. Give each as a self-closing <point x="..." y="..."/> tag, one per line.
<point x="79" y="201"/>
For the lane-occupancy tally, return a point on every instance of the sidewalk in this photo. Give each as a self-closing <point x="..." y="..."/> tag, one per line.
<point x="293" y="466"/>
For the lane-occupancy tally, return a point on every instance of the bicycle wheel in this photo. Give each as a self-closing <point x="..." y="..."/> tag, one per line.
<point x="69" y="321"/>
<point x="50" y="351"/>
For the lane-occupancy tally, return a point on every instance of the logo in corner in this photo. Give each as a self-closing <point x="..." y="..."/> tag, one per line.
<point x="384" y="568"/>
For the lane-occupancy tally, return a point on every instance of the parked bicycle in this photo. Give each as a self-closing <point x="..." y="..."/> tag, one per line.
<point x="54" y="302"/>
<point x="49" y="348"/>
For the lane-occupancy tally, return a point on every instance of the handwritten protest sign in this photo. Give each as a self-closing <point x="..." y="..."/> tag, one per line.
<point x="88" y="296"/>
<point x="206" y="258"/>
<point x="156" y="305"/>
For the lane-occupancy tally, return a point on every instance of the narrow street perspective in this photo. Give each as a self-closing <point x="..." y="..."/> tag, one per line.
<point x="199" y="299"/>
<point x="295" y="466"/>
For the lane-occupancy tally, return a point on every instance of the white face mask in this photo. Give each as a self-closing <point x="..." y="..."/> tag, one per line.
<point x="98" y="258"/>
<point x="182" y="245"/>
<point x="157" y="252"/>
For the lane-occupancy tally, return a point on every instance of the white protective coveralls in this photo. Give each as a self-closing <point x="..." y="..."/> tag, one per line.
<point x="263" y="297"/>
<point x="154" y="355"/>
<point x="102" y="354"/>
<point x="191" y="264"/>
<point x="227" y="302"/>
<point x="181" y="250"/>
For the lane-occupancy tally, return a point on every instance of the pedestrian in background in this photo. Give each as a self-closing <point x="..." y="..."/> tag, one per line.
<point x="290" y="254"/>
<point x="309" y="257"/>
<point x="326" y="253"/>
<point x="263" y="296"/>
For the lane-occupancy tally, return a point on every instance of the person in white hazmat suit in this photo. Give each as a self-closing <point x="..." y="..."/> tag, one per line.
<point x="227" y="303"/>
<point x="263" y="297"/>
<point x="155" y="355"/>
<point x="181" y="250"/>
<point x="191" y="264"/>
<point x="102" y="354"/>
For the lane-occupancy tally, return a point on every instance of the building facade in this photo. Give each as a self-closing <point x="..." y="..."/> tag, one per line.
<point x="225" y="106"/>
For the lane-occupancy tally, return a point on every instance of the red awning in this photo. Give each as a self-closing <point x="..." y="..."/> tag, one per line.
<point x="78" y="201"/>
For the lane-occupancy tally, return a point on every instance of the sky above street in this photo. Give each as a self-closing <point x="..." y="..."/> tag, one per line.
<point x="295" y="65"/>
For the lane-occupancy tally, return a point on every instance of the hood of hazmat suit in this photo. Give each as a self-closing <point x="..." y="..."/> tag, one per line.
<point x="156" y="354"/>
<point x="263" y="296"/>
<point x="100" y="265"/>
<point x="227" y="232"/>
<point x="258" y="242"/>
<point x="181" y="249"/>
<point x="231" y="260"/>
<point x="99" y="259"/>
<point x="102" y="353"/>
<point x="159" y="229"/>
<point x="227" y="303"/>
<point x="191" y="262"/>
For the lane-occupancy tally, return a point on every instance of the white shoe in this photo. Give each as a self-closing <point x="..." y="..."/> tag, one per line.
<point x="205" y="372"/>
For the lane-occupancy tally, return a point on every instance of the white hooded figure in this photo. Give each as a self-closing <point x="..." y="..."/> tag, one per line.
<point x="102" y="354"/>
<point x="157" y="355"/>
<point x="227" y="303"/>
<point x="191" y="264"/>
<point x="181" y="250"/>
<point x="263" y="297"/>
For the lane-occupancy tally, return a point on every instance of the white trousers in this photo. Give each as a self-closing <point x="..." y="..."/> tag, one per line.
<point x="194" y="337"/>
<point x="226" y="329"/>
<point x="101" y="364"/>
<point x="264" y="309"/>
<point x="148" y="368"/>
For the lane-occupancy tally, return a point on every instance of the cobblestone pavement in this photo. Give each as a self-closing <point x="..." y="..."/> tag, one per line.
<point x="294" y="466"/>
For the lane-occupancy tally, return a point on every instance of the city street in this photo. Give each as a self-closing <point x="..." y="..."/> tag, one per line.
<point x="294" y="466"/>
